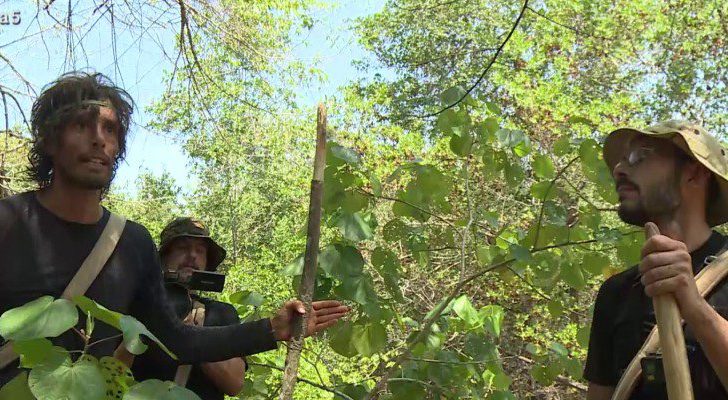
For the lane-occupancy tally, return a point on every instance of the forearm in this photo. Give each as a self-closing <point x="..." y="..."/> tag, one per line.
<point x="228" y="375"/>
<point x="711" y="331"/>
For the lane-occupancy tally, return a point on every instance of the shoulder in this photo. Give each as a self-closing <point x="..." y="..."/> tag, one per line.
<point x="620" y="282"/>
<point x="137" y="233"/>
<point x="12" y="208"/>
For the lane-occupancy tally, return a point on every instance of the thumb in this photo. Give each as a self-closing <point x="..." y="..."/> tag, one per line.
<point x="651" y="230"/>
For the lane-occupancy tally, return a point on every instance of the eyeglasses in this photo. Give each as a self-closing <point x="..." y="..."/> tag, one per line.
<point x="636" y="156"/>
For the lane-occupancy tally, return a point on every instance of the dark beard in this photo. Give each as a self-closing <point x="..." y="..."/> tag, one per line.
<point x="656" y="204"/>
<point x="84" y="182"/>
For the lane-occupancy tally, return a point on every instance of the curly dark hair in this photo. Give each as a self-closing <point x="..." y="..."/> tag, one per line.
<point x="75" y="97"/>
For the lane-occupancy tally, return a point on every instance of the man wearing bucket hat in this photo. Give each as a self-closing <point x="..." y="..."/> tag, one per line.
<point x="676" y="175"/>
<point x="186" y="246"/>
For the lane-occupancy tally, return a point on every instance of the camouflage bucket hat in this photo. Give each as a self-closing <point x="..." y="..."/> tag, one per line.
<point x="692" y="139"/>
<point x="189" y="227"/>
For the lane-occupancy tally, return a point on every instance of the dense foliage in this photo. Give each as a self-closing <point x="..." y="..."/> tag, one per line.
<point x="468" y="213"/>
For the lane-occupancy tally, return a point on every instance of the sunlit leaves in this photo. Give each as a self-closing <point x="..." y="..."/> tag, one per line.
<point x="156" y="389"/>
<point x="595" y="169"/>
<point x="43" y="317"/>
<point x="353" y="226"/>
<point x="73" y="380"/>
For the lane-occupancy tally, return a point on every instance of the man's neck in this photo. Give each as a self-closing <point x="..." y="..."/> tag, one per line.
<point x="71" y="203"/>
<point x="690" y="229"/>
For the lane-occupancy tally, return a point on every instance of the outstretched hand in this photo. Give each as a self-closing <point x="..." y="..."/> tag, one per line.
<point x="325" y="314"/>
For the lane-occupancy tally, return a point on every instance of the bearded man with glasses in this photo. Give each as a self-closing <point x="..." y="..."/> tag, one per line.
<point x="676" y="175"/>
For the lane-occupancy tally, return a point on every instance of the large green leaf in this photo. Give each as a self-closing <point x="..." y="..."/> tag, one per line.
<point x="42" y="317"/>
<point x="369" y="339"/>
<point x="67" y="380"/>
<point x="132" y="330"/>
<point x="38" y="351"/>
<point x="341" y="261"/>
<point x="98" y="311"/>
<point x="465" y="310"/>
<point x="543" y="167"/>
<point x="492" y="315"/>
<point x="461" y="142"/>
<point x="354" y="227"/>
<point x="154" y="389"/>
<point x="340" y="339"/>
<point x="17" y="388"/>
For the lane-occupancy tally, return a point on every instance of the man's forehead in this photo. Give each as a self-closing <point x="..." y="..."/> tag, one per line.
<point x="189" y="241"/>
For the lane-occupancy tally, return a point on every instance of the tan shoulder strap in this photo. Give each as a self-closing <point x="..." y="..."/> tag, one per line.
<point x="706" y="280"/>
<point x="183" y="371"/>
<point x="86" y="274"/>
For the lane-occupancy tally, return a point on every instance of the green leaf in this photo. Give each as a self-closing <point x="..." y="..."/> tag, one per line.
<point x="501" y="395"/>
<point x="452" y="95"/>
<point x="248" y="298"/>
<point x="154" y="389"/>
<point x="543" y="190"/>
<point x="492" y="315"/>
<point x="342" y="153"/>
<point x="514" y="174"/>
<point x="461" y="142"/>
<point x="465" y="310"/>
<point x="541" y="374"/>
<point x="582" y="336"/>
<point x="493" y="108"/>
<point x="407" y="390"/>
<point x="580" y="120"/>
<point x="572" y="275"/>
<point x="562" y="146"/>
<point x="556" y="309"/>
<point x="341" y="262"/>
<point x="17" y="388"/>
<point x="354" y="227"/>
<point x="132" y="330"/>
<point x="117" y="376"/>
<point x="353" y="201"/>
<point x="491" y="125"/>
<point x="67" y="380"/>
<point x="340" y="339"/>
<point x="573" y="367"/>
<point x="369" y="339"/>
<point x="295" y="268"/>
<point x="98" y="311"/>
<point x="543" y="167"/>
<point x="37" y="351"/>
<point x="559" y="349"/>
<point x="520" y="253"/>
<point x="396" y="230"/>
<point x="358" y="289"/>
<point x="376" y="184"/>
<point x="595" y="263"/>
<point x="42" y="317"/>
<point x="388" y="266"/>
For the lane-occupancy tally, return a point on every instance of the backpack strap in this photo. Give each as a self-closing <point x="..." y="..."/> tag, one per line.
<point x="86" y="274"/>
<point x="706" y="280"/>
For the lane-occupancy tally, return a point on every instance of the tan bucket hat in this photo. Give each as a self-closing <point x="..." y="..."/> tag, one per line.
<point x="696" y="142"/>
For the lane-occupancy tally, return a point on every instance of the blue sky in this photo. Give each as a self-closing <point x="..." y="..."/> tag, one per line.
<point x="42" y="58"/>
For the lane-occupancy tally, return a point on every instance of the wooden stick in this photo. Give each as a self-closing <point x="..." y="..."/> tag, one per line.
<point x="306" y="288"/>
<point x="672" y="342"/>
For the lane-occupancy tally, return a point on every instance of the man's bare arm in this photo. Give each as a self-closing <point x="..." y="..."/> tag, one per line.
<point x="228" y="375"/>
<point x="599" y="392"/>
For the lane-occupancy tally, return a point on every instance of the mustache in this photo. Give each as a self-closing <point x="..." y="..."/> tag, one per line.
<point x="623" y="181"/>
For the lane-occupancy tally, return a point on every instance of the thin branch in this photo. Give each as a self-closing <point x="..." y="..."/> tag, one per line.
<point x="487" y="68"/>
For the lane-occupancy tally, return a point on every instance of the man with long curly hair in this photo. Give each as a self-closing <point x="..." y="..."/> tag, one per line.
<point x="79" y="127"/>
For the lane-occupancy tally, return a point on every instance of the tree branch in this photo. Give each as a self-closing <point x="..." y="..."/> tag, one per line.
<point x="487" y="68"/>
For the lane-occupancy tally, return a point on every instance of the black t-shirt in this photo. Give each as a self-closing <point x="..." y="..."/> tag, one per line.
<point x="40" y="253"/>
<point x="624" y="316"/>
<point x="156" y="364"/>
